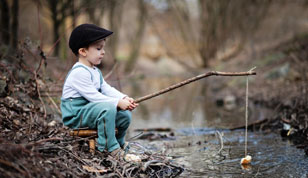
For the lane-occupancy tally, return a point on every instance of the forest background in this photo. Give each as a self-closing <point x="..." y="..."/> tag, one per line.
<point x="161" y="39"/>
<point x="156" y="43"/>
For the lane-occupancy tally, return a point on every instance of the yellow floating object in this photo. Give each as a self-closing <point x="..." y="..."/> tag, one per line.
<point x="246" y="167"/>
<point x="246" y="160"/>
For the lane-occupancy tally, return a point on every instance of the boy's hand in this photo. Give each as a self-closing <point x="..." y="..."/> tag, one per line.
<point x="123" y="104"/>
<point x="132" y="105"/>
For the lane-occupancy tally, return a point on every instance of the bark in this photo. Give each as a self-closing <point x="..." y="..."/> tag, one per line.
<point x="5" y="20"/>
<point x="15" y="23"/>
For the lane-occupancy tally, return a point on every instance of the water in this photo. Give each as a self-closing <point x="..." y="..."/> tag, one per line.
<point x="194" y="112"/>
<point x="197" y="152"/>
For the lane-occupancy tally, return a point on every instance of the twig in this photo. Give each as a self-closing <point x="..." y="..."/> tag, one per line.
<point x="111" y="71"/>
<point x="220" y="141"/>
<point x="13" y="166"/>
<point x="85" y="163"/>
<point x="250" y="72"/>
<point x="45" y="140"/>
<point x="53" y="102"/>
<point x="135" y="137"/>
<point x="35" y="73"/>
<point x="8" y="71"/>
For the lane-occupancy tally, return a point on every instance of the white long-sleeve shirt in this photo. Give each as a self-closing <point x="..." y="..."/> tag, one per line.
<point x="80" y="83"/>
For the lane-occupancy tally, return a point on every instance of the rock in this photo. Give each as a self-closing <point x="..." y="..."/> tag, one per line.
<point x="132" y="158"/>
<point x="52" y="123"/>
<point x="230" y="102"/>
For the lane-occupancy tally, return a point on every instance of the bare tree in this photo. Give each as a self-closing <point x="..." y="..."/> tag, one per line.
<point x="113" y="9"/>
<point x="223" y="19"/>
<point x="5" y="27"/>
<point x="59" y="11"/>
<point x="136" y="43"/>
<point x="115" y="20"/>
<point x="15" y="9"/>
<point x="96" y="10"/>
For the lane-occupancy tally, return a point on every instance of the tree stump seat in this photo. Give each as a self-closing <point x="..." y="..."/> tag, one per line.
<point x="84" y="133"/>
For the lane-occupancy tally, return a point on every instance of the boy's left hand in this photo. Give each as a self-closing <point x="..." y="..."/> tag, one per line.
<point x="133" y="104"/>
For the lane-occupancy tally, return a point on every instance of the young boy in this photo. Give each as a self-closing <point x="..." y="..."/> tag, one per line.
<point x="87" y="99"/>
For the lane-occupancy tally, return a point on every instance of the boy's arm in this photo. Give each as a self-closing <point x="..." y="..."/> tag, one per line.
<point x="80" y="80"/>
<point x="125" y="101"/>
<point x="111" y="91"/>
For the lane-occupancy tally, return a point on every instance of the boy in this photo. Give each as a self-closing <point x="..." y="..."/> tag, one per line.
<point x="87" y="100"/>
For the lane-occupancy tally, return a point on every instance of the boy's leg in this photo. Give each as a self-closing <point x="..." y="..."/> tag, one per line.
<point x="101" y="116"/>
<point x="123" y="119"/>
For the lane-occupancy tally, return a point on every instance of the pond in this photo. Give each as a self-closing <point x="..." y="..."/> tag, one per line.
<point x="196" y="113"/>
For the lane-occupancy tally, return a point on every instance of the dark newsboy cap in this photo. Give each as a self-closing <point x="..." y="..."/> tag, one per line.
<point x="85" y="34"/>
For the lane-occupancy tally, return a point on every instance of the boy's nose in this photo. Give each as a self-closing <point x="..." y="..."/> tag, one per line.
<point x="103" y="52"/>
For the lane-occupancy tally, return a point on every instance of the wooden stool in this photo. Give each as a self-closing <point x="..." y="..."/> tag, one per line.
<point x="88" y="133"/>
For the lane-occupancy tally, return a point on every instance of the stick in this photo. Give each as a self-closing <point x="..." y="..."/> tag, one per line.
<point x="185" y="82"/>
<point x="221" y="141"/>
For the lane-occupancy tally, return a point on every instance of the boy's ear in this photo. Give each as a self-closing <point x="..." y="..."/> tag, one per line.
<point x="82" y="52"/>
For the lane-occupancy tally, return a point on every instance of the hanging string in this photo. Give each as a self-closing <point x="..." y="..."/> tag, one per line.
<point x="246" y="116"/>
<point x="246" y="112"/>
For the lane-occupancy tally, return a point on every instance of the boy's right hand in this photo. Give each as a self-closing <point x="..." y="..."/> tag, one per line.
<point x="124" y="104"/>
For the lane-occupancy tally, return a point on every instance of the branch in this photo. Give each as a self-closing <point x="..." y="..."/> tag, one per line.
<point x="250" y="72"/>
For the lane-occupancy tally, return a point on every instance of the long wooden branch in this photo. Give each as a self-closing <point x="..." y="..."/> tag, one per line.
<point x="185" y="82"/>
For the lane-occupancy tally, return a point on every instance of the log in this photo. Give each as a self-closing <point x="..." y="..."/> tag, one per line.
<point x="185" y="82"/>
<point x="83" y="133"/>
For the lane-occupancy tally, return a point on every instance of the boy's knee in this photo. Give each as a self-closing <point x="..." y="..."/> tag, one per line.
<point x="105" y="108"/>
<point x="127" y="116"/>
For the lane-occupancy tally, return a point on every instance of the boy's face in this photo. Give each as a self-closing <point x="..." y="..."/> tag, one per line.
<point x="95" y="52"/>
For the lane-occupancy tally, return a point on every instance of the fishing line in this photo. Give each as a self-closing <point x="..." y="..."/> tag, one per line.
<point x="246" y="116"/>
<point x="246" y="112"/>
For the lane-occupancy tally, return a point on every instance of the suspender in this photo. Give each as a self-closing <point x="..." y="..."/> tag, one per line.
<point x="100" y="77"/>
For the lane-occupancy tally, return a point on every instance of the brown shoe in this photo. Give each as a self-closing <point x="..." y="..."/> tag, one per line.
<point x="125" y="146"/>
<point x="118" y="153"/>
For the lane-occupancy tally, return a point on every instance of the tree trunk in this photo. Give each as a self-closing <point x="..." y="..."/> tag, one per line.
<point x="138" y="37"/>
<point x="115" y="19"/>
<point x="56" y="24"/>
<point x="209" y="30"/>
<point x="72" y="13"/>
<point x="15" y="23"/>
<point x="5" y="22"/>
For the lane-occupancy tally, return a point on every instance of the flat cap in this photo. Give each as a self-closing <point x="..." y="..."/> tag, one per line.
<point x="85" y="34"/>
